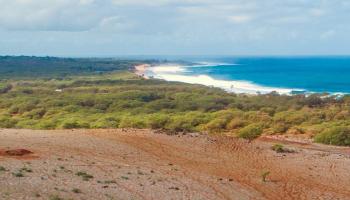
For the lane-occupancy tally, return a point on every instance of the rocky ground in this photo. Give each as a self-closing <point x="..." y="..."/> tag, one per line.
<point x="143" y="164"/>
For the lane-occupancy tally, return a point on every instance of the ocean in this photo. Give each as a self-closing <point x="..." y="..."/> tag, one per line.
<point x="285" y="75"/>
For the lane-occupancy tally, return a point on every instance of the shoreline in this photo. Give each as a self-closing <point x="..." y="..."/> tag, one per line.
<point x="174" y="72"/>
<point x="140" y="70"/>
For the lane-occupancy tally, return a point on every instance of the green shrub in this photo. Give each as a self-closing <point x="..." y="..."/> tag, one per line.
<point x="216" y="125"/>
<point x="270" y="111"/>
<point x="72" y="124"/>
<point x="27" y="106"/>
<point x="264" y="175"/>
<point x="187" y="122"/>
<point x="2" y="169"/>
<point x="334" y="136"/>
<point x="76" y="190"/>
<point x="132" y="122"/>
<point x="5" y="88"/>
<point x="47" y="124"/>
<point x="291" y="117"/>
<point x="279" y="148"/>
<point x="6" y="122"/>
<point x="235" y="123"/>
<point x="55" y="197"/>
<point x="36" y="113"/>
<point x="106" y="122"/>
<point x="157" y="121"/>
<point x="26" y="123"/>
<point x="251" y="132"/>
<point x="179" y="124"/>
<point x="13" y="109"/>
<point x="85" y="176"/>
<point x="280" y="128"/>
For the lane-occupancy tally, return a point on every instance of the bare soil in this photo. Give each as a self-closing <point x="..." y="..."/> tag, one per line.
<point x="142" y="164"/>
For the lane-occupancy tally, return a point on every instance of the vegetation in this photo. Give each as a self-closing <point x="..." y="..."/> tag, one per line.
<point x="2" y="169"/>
<point x="85" y="176"/>
<point x="339" y="135"/>
<point x="279" y="148"/>
<point x="25" y="169"/>
<point x="62" y="93"/>
<point x="76" y="190"/>
<point x="55" y="197"/>
<point x="264" y="175"/>
<point x="251" y="132"/>
<point x="18" y="174"/>
<point x="44" y="67"/>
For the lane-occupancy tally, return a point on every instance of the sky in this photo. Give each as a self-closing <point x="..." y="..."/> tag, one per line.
<point x="174" y="27"/>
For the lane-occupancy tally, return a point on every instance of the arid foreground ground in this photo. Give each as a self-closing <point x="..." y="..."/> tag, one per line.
<point x="141" y="164"/>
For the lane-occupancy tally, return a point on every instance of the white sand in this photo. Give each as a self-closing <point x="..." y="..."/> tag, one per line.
<point x="174" y="73"/>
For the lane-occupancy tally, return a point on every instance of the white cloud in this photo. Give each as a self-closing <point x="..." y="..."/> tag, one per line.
<point x="240" y="19"/>
<point x="86" y="2"/>
<point x="114" y="24"/>
<point x="178" y="24"/>
<point x="71" y="15"/>
<point x="317" y="12"/>
<point x="140" y="2"/>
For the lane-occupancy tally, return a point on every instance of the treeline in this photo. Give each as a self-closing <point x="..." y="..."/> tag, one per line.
<point x="30" y="67"/>
<point x="122" y="100"/>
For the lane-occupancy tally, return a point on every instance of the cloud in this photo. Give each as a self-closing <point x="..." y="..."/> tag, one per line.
<point x="114" y="24"/>
<point x="240" y="19"/>
<point x="53" y="15"/>
<point x="317" y="12"/>
<point x="171" y="25"/>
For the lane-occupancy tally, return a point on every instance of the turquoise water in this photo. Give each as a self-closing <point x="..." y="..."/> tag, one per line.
<point x="311" y="74"/>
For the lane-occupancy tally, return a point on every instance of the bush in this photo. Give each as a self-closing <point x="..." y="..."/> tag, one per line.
<point x="27" y="106"/>
<point x="106" y="122"/>
<point x="132" y="122"/>
<point x="251" y="132"/>
<point x="74" y="124"/>
<point x="295" y="131"/>
<point x="334" y="136"/>
<point x="187" y="122"/>
<point x="157" y="121"/>
<point x="268" y="110"/>
<point x="280" y="128"/>
<point x="279" y="148"/>
<point x="264" y="175"/>
<point x="46" y="124"/>
<point x="36" y="113"/>
<point x="291" y="117"/>
<point x="7" y="122"/>
<point x="216" y="125"/>
<point x="235" y="123"/>
<point x="5" y="88"/>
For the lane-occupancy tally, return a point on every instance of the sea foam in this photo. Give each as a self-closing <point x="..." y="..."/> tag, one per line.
<point x="174" y="73"/>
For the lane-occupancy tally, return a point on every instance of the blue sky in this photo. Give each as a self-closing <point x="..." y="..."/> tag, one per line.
<point x="174" y="27"/>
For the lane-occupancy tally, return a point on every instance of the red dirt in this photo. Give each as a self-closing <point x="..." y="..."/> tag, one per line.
<point x="15" y="152"/>
<point x="146" y="165"/>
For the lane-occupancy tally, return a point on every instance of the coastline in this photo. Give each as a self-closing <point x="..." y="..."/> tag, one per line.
<point x="176" y="72"/>
<point x="141" y="70"/>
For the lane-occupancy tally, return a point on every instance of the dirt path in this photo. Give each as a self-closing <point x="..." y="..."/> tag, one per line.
<point x="140" y="164"/>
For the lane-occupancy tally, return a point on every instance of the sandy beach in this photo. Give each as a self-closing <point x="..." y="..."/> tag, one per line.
<point x="140" y="70"/>
<point x="176" y="72"/>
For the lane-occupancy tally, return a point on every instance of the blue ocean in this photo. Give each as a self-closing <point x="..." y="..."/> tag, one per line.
<point x="265" y="74"/>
